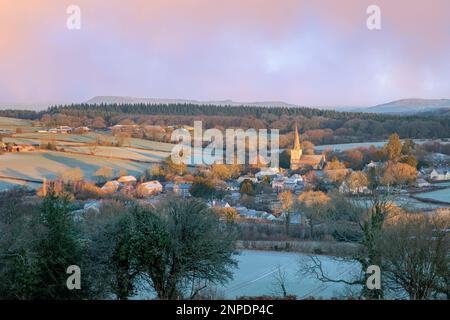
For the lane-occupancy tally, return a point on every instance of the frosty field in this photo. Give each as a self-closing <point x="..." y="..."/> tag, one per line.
<point x="48" y="164"/>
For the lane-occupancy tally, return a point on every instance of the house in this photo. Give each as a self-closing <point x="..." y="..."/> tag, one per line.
<point x="179" y="188"/>
<point x="254" y="214"/>
<point x="294" y="217"/>
<point x="346" y="189"/>
<point x="82" y="129"/>
<point x="127" y="180"/>
<point x="278" y="184"/>
<point x="267" y="172"/>
<point x="150" y="188"/>
<point x="61" y="129"/>
<point x="218" y="204"/>
<point x="440" y="174"/>
<point x="300" y="161"/>
<point x="294" y="183"/>
<point x="12" y="147"/>
<point x="182" y="189"/>
<point x="111" y="186"/>
<point x="234" y="196"/>
<point x="232" y="185"/>
<point x="243" y="178"/>
<point x="154" y="128"/>
<point x="92" y="206"/>
<point x="373" y="165"/>
<point x="422" y="183"/>
<point x="126" y="128"/>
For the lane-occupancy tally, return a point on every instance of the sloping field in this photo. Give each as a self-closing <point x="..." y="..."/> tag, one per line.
<point x="13" y="124"/>
<point x="48" y="164"/>
<point x="92" y="137"/>
<point x="438" y="195"/>
<point x="117" y="152"/>
<point x="6" y="184"/>
<point x="78" y="138"/>
<point x="151" y="145"/>
<point x="377" y="144"/>
<point x="4" y="121"/>
<point x="36" y="142"/>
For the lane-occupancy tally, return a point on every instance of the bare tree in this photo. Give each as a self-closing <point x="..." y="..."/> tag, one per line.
<point x="414" y="251"/>
<point x="279" y="282"/>
<point x="372" y="219"/>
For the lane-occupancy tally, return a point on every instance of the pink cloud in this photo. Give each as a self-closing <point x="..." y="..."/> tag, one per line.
<point x="306" y="52"/>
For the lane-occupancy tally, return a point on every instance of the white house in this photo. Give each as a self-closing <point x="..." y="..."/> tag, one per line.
<point x="255" y="214"/>
<point x="182" y="189"/>
<point x="345" y="188"/>
<point x="294" y="183"/>
<point x="294" y="217"/>
<point x="150" y="188"/>
<point x="422" y="183"/>
<point x="219" y="204"/>
<point x="60" y="129"/>
<point x="440" y="174"/>
<point x="127" y="180"/>
<point x="111" y="186"/>
<point x="93" y="206"/>
<point x="242" y="178"/>
<point x="267" y="172"/>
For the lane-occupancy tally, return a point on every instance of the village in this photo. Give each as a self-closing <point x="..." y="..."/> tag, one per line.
<point x="255" y="192"/>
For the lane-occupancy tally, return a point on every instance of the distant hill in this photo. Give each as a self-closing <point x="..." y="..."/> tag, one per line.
<point x="133" y="100"/>
<point x="410" y="106"/>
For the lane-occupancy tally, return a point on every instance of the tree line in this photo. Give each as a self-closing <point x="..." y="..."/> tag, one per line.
<point x="319" y="126"/>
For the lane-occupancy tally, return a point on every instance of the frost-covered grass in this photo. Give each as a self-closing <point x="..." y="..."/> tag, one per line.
<point x="439" y="195"/>
<point x="48" y="164"/>
<point x="121" y="152"/>
<point x="4" y="121"/>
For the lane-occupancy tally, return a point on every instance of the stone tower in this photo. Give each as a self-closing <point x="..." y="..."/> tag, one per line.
<point x="296" y="153"/>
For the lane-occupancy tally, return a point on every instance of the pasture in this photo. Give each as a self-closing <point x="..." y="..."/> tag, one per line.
<point x="49" y="164"/>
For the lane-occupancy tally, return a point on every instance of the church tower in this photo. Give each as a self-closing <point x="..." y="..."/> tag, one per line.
<point x="296" y="153"/>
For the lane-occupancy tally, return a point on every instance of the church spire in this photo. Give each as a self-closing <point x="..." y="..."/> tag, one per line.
<point x="297" y="140"/>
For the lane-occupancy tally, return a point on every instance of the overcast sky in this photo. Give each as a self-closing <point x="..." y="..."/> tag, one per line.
<point x="304" y="52"/>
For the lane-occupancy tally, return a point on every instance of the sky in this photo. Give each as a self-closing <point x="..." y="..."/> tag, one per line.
<point x="312" y="53"/>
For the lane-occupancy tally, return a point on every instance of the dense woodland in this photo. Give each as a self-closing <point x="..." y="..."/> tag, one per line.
<point x="317" y="126"/>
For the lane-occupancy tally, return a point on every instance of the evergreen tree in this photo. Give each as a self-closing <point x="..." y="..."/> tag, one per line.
<point x="58" y="249"/>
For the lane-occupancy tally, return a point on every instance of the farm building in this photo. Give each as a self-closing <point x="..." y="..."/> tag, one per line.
<point x="111" y="186"/>
<point x="60" y="129"/>
<point x="150" y="188"/>
<point x="127" y="180"/>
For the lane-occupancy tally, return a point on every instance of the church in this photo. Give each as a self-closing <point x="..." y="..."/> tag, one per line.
<point x="300" y="161"/>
